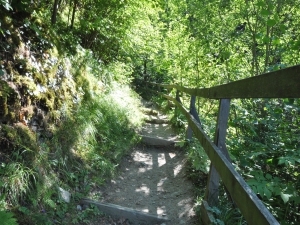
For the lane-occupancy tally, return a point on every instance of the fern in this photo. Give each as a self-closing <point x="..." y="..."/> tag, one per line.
<point x="6" y="218"/>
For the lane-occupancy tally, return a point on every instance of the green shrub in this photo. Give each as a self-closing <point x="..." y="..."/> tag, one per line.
<point x="6" y="218"/>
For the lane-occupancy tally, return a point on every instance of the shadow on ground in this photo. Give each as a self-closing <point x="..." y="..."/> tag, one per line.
<point x="153" y="180"/>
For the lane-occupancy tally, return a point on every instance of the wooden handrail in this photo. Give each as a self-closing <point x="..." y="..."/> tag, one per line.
<point x="251" y="207"/>
<point x="283" y="83"/>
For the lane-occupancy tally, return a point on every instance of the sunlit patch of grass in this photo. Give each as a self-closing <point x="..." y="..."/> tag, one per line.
<point x="129" y="102"/>
<point x="17" y="180"/>
<point x="92" y="123"/>
<point x="107" y="128"/>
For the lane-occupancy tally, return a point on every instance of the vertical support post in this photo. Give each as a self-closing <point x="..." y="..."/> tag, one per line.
<point x="178" y="100"/>
<point x="194" y="113"/>
<point x="212" y="189"/>
<point x="177" y="96"/>
<point x="159" y="88"/>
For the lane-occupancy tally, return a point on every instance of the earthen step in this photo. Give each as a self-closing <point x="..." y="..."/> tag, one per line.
<point x="153" y="141"/>
<point x="148" y="111"/>
<point x="134" y="216"/>
<point x="154" y="120"/>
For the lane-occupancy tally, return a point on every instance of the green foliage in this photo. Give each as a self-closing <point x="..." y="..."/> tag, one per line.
<point x="198" y="157"/>
<point x="17" y="181"/>
<point x="7" y="218"/>
<point x="192" y="43"/>
<point x="269" y="129"/>
<point x="91" y="118"/>
<point x="85" y="215"/>
<point x="226" y="215"/>
<point x="103" y="123"/>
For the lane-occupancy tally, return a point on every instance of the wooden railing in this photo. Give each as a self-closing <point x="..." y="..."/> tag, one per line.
<point x="283" y="83"/>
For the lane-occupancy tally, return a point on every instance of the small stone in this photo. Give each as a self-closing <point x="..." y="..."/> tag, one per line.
<point x="78" y="207"/>
<point x="164" y="214"/>
<point x="65" y="195"/>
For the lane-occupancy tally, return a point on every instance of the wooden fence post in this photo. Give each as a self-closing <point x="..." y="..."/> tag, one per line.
<point x="194" y="113"/>
<point x="177" y="96"/>
<point x="178" y="100"/>
<point x="212" y="189"/>
<point x="244" y="198"/>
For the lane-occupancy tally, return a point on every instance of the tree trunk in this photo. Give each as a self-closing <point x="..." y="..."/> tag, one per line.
<point x="54" y="12"/>
<point x="73" y="14"/>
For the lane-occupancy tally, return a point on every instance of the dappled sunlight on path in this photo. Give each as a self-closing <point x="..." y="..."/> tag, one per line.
<point x="153" y="179"/>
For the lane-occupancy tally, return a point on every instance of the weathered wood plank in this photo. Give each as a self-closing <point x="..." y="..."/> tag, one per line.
<point x="204" y="92"/>
<point x="194" y="113"/>
<point x="251" y="207"/>
<point x="212" y="189"/>
<point x="206" y="216"/>
<point x="283" y="83"/>
<point x="157" y="141"/>
<point x="116" y="211"/>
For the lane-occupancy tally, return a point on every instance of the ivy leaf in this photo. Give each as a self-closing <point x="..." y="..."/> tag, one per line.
<point x="268" y="176"/>
<point x="271" y="22"/>
<point x="267" y="193"/>
<point x="1" y="72"/>
<point x="285" y="197"/>
<point x="261" y="4"/>
<point x="265" y="12"/>
<point x="260" y="189"/>
<point x="252" y="182"/>
<point x="281" y="160"/>
<point x="259" y="35"/>
<point x="266" y="39"/>
<point x="283" y="28"/>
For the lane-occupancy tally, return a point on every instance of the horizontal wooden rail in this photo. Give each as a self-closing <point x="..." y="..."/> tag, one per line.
<point x="283" y="83"/>
<point x="251" y="207"/>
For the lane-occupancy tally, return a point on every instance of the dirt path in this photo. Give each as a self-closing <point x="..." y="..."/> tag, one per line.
<point x="153" y="179"/>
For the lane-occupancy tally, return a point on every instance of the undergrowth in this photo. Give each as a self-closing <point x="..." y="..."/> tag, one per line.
<point x="74" y="121"/>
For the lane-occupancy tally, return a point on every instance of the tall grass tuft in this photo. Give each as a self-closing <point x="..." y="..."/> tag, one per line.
<point x="17" y="181"/>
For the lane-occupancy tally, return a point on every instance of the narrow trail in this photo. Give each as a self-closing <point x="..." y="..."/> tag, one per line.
<point x="152" y="178"/>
